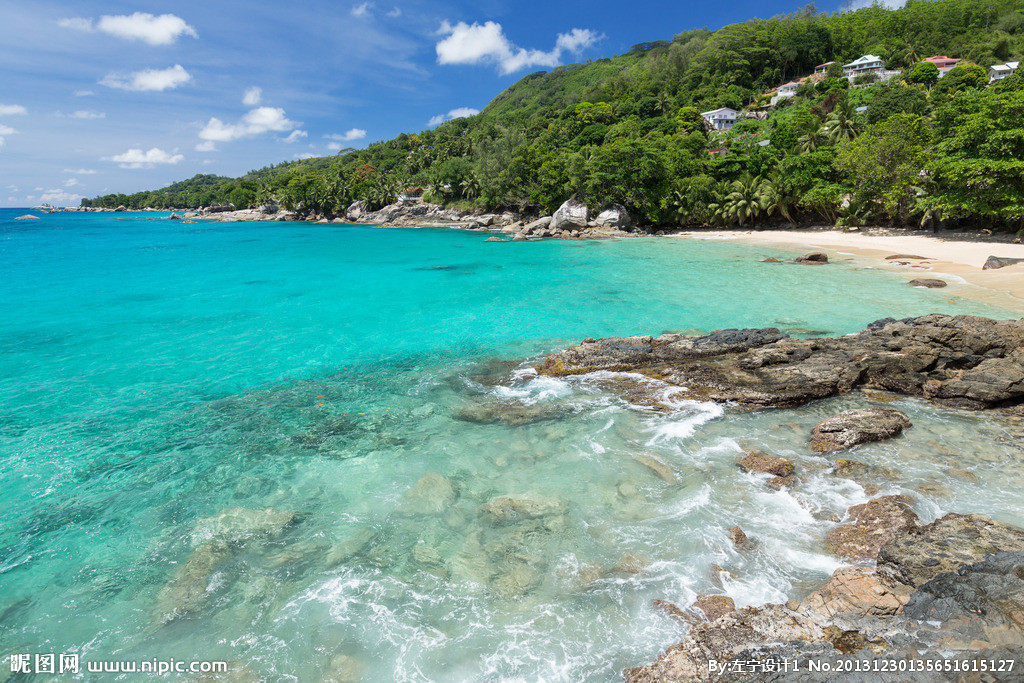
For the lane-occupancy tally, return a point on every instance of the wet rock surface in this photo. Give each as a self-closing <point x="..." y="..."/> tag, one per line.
<point x="961" y="361"/>
<point x="854" y="427"/>
<point x="972" y="613"/>
<point x="875" y="523"/>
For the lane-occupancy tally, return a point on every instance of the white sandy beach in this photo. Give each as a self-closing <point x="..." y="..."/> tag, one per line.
<point x="959" y="263"/>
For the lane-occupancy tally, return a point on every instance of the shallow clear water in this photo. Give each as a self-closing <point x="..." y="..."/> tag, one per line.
<point x="159" y="374"/>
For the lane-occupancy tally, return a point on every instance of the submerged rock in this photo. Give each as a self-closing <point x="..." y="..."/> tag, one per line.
<point x="431" y="495"/>
<point x="943" y="546"/>
<point x="875" y="523"/>
<point x="852" y="427"/>
<point x="515" y="508"/>
<point x="187" y="589"/>
<point x="739" y="538"/>
<point x="661" y="469"/>
<point x="930" y="283"/>
<point x="242" y="524"/>
<point x="508" y="413"/>
<point x="962" y="361"/>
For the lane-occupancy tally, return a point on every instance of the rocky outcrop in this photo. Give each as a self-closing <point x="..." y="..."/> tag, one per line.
<point x="756" y="461"/>
<point x="571" y="215"/>
<point x="962" y="361"/>
<point x="927" y="282"/>
<point x="28" y="217"/>
<point x="1000" y="262"/>
<point x="715" y="606"/>
<point x="875" y="523"/>
<point x="853" y="427"/>
<point x="615" y="216"/>
<point x="967" y="610"/>
<point x="944" y="546"/>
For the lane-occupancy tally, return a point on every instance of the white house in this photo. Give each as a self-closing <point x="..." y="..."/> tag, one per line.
<point x="722" y="118"/>
<point x="786" y="90"/>
<point x="868" y="64"/>
<point x="823" y="68"/>
<point x="997" y="72"/>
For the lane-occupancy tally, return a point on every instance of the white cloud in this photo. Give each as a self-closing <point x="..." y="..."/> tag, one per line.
<point x="487" y="43"/>
<point x="12" y="109"/>
<point x="361" y="10"/>
<point x="294" y="136"/>
<point x="80" y="171"/>
<point x="71" y="182"/>
<point x="252" y="96"/>
<point x="258" y="121"/>
<point x="6" y="130"/>
<point x="305" y="155"/>
<point x="149" y="79"/>
<point x="207" y="146"/>
<point x="348" y="135"/>
<point x="84" y="93"/>
<point x="155" y="30"/>
<point x="453" y="114"/>
<point x="59" y="198"/>
<point x="136" y="158"/>
<point x="88" y="114"/>
<point x="77" y="23"/>
<point x="395" y="13"/>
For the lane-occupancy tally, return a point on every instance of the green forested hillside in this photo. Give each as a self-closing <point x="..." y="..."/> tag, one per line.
<point x="627" y="129"/>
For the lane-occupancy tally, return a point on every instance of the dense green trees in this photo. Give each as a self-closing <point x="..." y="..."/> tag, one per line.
<point x="628" y="130"/>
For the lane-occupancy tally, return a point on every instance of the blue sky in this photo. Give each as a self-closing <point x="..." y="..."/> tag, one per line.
<point x="99" y="97"/>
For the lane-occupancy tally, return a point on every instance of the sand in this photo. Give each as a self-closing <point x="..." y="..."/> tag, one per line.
<point x="957" y="262"/>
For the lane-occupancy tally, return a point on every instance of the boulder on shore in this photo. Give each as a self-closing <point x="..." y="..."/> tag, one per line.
<point x="1000" y="262"/>
<point x="571" y="215"/>
<point x="355" y="211"/>
<point x="815" y="258"/>
<point x="615" y="216"/>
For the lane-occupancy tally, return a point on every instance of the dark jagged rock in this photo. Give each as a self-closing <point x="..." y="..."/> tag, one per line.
<point x="943" y="546"/>
<point x="930" y="283"/>
<point x="875" y="523"/>
<point x="1000" y="262"/>
<point x="961" y="361"/>
<point x="853" y="427"/>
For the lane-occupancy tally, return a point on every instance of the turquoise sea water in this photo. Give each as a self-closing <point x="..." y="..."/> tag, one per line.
<point x="163" y="382"/>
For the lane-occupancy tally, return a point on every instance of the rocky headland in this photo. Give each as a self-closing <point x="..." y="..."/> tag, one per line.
<point x="947" y="597"/>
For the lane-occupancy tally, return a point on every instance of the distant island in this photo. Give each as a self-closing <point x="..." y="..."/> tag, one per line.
<point x="904" y="117"/>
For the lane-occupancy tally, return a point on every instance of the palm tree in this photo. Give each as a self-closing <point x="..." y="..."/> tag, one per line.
<point x="809" y="142"/>
<point x="840" y="124"/>
<point x="744" y="201"/>
<point x="470" y="187"/>
<point x="773" y="198"/>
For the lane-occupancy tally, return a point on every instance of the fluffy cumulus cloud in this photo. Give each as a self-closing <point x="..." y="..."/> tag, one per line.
<point x="348" y="136"/>
<point x="487" y="44"/>
<point x="305" y="155"/>
<point x="294" y="136"/>
<point x="362" y="9"/>
<point x="155" y="30"/>
<point x="149" y="79"/>
<point x="4" y="132"/>
<point x="453" y="114"/>
<point x="12" y="109"/>
<point x="258" y="121"/>
<point x="136" y="158"/>
<point x="252" y="96"/>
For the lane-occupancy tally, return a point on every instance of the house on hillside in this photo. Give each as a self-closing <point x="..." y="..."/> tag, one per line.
<point x="997" y="72"/>
<point x="722" y="118"/>
<point x="944" y="64"/>
<point x="868" y="64"/>
<point x="823" y="68"/>
<point x="786" y="90"/>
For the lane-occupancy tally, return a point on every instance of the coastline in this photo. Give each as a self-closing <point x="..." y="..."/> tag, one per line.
<point x="957" y="261"/>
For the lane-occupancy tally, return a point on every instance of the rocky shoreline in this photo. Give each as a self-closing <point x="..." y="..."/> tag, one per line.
<point x="947" y="597"/>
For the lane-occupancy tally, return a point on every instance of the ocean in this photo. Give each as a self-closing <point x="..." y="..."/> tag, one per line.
<point x="272" y="444"/>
